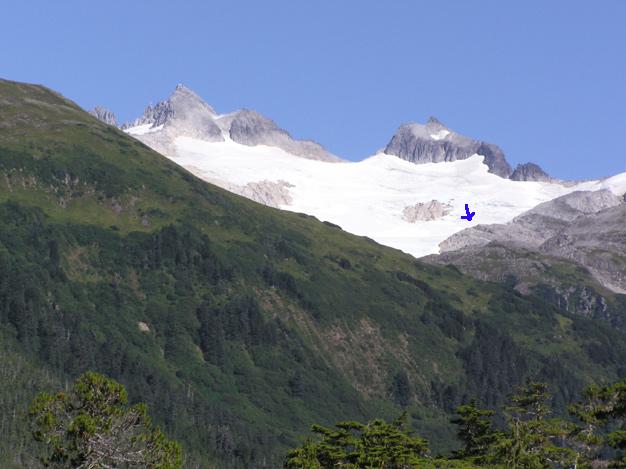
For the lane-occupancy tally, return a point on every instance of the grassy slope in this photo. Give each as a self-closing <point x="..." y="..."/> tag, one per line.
<point x="569" y="286"/>
<point x="261" y="322"/>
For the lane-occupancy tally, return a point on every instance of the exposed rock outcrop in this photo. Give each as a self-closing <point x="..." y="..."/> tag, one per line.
<point x="530" y="172"/>
<point x="564" y="283"/>
<point x="103" y="114"/>
<point x="272" y="193"/>
<point x="426" y="211"/>
<point x="251" y="128"/>
<point x="434" y="143"/>
<point x="588" y="228"/>
<point x="536" y="226"/>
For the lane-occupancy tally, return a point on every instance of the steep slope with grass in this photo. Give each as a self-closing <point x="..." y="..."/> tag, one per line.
<point x="566" y="284"/>
<point x="240" y="325"/>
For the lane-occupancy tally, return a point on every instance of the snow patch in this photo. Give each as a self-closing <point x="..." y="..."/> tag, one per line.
<point x="143" y="129"/>
<point x="443" y="133"/>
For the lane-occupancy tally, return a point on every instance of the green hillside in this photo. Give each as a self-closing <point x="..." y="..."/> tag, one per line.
<point x="566" y="284"/>
<point x="238" y="324"/>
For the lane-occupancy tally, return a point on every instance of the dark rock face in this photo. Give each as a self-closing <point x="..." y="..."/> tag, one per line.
<point x="159" y="114"/>
<point x="530" y="172"/>
<point x="433" y="143"/>
<point x="104" y="115"/>
<point x="251" y="128"/>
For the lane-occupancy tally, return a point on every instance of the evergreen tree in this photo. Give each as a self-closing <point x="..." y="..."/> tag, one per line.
<point x="401" y="389"/>
<point x="606" y="406"/>
<point x="354" y="445"/>
<point x="534" y="440"/>
<point x="615" y="396"/>
<point x="475" y="432"/>
<point x="91" y="426"/>
<point x="587" y="438"/>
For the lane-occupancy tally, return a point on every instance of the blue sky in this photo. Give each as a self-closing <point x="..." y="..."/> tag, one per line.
<point x="545" y="80"/>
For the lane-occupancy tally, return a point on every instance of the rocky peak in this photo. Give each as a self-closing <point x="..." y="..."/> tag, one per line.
<point x="434" y="143"/>
<point x="183" y="101"/>
<point x="530" y="172"/>
<point x="184" y="113"/>
<point x="433" y="120"/>
<point x="435" y="125"/>
<point x="251" y="128"/>
<point x="104" y="115"/>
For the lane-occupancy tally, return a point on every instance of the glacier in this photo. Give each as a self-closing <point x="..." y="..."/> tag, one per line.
<point x="369" y="197"/>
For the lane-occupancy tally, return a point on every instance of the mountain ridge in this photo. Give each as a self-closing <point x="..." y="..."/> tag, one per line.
<point x="251" y="156"/>
<point x="238" y="324"/>
<point x="418" y="143"/>
<point x="434" y="142"/>
<point x="185" y="113"/>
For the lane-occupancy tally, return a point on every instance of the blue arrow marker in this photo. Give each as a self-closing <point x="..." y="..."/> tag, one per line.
<point x="469" y="215"/>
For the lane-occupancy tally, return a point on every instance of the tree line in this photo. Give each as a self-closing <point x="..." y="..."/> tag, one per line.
<point x="594" y="436"/>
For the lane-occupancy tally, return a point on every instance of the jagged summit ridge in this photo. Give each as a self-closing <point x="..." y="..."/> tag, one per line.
<point x="384" y="197"/>
<point x="104" y="115"/>
<point x="185" y="114"/>
<point x="433" y="142"/>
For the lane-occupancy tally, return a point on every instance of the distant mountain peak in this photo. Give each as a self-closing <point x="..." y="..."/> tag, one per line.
<point x="185" y="113"/>
<point x="251" y="128"/>
<point x="432" y="120"/>
<point x="104" y="115"/>
<point x="433" y="143"/>
<point x="530" y="172"/>
<point x="185" y="99"/>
